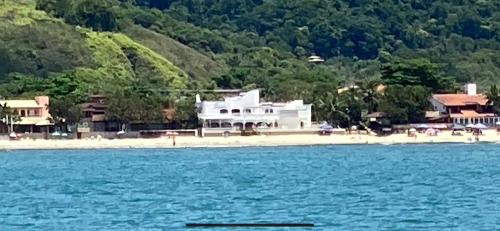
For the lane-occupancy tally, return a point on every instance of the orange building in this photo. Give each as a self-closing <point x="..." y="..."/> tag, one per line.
<point x="33" y="115"/>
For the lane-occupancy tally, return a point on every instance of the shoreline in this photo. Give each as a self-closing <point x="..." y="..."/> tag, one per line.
<point x="490" y="136"/>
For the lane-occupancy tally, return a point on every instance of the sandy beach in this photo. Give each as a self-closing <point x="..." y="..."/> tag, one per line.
<point x="238" y="141"/>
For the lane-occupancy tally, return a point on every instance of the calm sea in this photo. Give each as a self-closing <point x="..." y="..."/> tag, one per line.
<point x="371" y="187"/>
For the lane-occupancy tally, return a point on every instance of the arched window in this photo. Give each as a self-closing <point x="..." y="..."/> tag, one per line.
<point x="271" y="111"/>
<point x="235" y="111"/>
<point x="223" y="111"/>
<point x="248" y="111"/>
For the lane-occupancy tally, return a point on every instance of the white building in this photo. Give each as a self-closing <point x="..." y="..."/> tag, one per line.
<point x="246" y="111"/>
<point x="468" y="108"/>
<point x="315" y="59"/>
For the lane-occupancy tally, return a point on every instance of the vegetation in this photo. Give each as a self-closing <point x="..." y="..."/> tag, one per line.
<point x="157" y="48"/>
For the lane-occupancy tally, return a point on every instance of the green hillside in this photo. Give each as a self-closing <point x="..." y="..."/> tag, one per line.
<point x="36" y="45"/>
<point x="151" y="47"/>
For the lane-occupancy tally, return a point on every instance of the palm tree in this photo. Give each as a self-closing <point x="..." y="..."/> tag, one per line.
<point x="370" y="95"/>
<point x="494" y="98"/>
<point x="332" y="108"/>
<point x="6" y="111"/>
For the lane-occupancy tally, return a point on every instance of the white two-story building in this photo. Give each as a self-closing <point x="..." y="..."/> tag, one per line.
<point x="246" y="111"/>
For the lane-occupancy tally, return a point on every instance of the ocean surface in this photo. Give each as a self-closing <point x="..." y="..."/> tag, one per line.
<point x="369" y="187"/>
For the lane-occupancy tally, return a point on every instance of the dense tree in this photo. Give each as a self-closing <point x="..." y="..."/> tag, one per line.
<point x="494" y="97"/>
<point x="405" y="104"/>
<point x="127" y="106"/>
<point x="64" y="111"/>
<point x="416" y="72"/>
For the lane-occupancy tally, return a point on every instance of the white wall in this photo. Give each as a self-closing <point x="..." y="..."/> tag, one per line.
<point x="438" y="106"/>
<point x="289" y="119"/>
<point x="289" y="114"/>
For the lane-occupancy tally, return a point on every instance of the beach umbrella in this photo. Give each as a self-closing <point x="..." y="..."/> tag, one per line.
<point x="430" y="130"/>
<point x="469" y="126"/>
<point x="326" y="126"/>
<point x="439" y="126"/>
<point x="413" y="130"/>
<point x="169" y="133"/>
<point x="480" y="126"/>
<point x="423" y="126"/>
<point x="458" y="127"/>
<point x="497" y="123"/>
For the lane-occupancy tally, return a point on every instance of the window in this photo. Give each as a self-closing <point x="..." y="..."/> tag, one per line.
<point x="23" y="113"/>
<point x="235" y="111"/>
<point x="269" y="111"/>
<point x="223" y="111"/>
<point x="248" y="111"/>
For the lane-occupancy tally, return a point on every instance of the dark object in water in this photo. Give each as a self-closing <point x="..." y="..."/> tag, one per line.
<point x="214" y="225"/>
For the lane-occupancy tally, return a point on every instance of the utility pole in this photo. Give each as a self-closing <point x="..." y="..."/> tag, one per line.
<point x="6" y="121"/>
<point x="11" y="124"/>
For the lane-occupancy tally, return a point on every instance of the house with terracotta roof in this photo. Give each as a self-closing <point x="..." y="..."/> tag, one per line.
<point x="32" y="115"/>
<point x="465" y="108"/>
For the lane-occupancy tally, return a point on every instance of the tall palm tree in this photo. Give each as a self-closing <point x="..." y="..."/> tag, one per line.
<point x="6" y="111"/>
<point x="494" y="98"/>
<point x="332" y="107"/>
<point x="370" y="95"/>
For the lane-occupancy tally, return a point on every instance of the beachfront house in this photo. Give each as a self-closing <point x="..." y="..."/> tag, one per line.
<point x="94" y="108"/>
<point x="31" y="115"/>
<point x="246" y="111"/>
<point x="465" y="108"/>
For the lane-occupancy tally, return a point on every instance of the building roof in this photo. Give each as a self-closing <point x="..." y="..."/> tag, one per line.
<point x="376" y="115"/>
<point x="94" y="106"/>
<point x="470" y="114"/>
<point x="460" y="99"/>
<point x="344" y="89"/>
<point x="227" y="91"/>
<point x="37" y="121"/>
<point x="21" y="103"/>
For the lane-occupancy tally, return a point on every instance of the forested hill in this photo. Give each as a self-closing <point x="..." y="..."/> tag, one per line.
<point x="462" y="36"/>
<point x="156" y="45"/>
<point x="262" y="40"/>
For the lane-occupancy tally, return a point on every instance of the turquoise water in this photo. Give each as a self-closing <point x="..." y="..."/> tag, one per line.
<point x="372" y="187"/>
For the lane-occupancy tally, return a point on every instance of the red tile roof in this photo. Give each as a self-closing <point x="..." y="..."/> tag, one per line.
<point x="460" y="99"/>
<point x="470" y="114"/>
